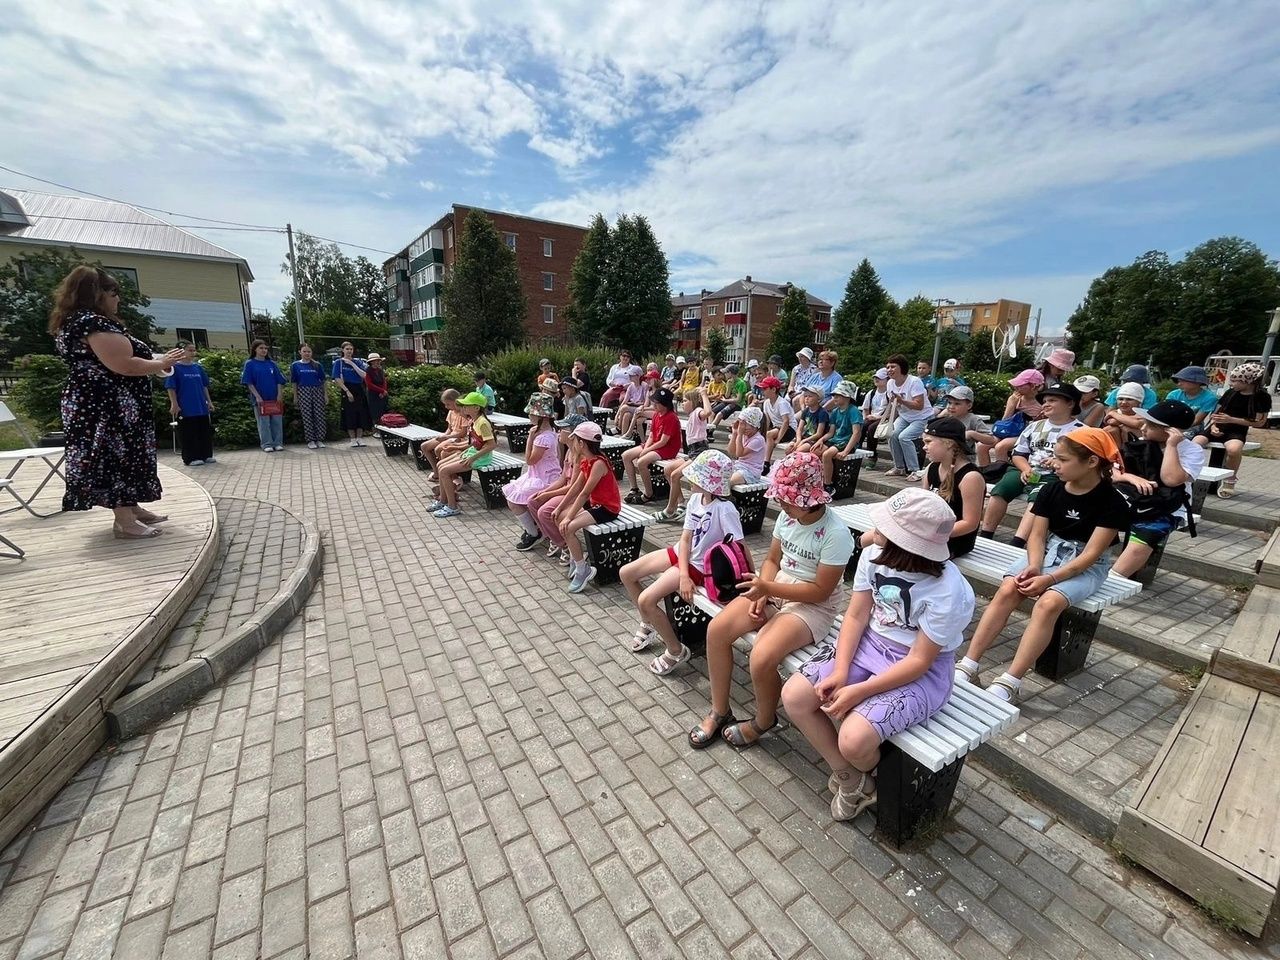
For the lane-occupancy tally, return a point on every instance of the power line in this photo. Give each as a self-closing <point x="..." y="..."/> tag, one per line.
<point x="344" y="243"/>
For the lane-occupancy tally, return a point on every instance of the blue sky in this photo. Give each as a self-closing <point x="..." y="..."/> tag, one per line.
<point x="971" y="151"/>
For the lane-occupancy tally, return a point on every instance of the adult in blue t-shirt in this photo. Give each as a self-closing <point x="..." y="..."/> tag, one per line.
<point x="264" y="379"/>
<point x="307" y="377"/>
<point x="350" y="372"/>
<point x="190" y="404"/>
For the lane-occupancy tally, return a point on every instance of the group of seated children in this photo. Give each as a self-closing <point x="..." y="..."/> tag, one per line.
<point x="467" y="443"/>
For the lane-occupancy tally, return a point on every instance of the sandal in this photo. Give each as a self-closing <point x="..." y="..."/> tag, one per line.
<point x="146" y="516"/>
<point x="1227" y="489"/>
<point x="734" y="734"/>
<point x="635" y="496"/>
<point x="666" y="516"/>
<point x="1015" y="693"/>
<point x="664" y="662"/>
<point x="642" y="639"/>
<point x="967" y="674"/>
<point x="849" y="801"/>
<point x="121" y="534"/>
<point x="700" y="739"/>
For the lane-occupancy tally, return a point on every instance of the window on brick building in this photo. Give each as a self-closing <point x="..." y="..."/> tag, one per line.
<point x="548" y="281"/>
<point x="548" y="248"/>
<point x="735" y="306"/>
<point x="194" y="335"/>
<point x="510" y="240"/>
<point x="711" y="309"/>
<point x="548" y="313"/>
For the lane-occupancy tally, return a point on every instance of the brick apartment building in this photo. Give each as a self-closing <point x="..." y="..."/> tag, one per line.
<point x="974" y="318"/>
<point x="545" y="252"/>
<point x="734" y="307"/>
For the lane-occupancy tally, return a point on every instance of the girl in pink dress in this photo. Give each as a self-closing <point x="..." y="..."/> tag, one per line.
<point x="543" y="468"/>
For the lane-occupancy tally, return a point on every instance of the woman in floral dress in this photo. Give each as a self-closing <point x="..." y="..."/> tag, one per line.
<point x="107" y="416"/>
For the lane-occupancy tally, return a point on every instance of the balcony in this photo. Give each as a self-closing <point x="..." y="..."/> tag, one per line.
<point x="734" y="318"/>
<point x="425" y="259"/>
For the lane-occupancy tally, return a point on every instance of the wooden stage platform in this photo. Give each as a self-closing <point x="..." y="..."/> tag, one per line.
<point x="78" y="616"/>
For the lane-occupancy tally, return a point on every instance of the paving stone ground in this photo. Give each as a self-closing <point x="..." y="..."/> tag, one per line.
<point x="446" y="755"/>
<point x="259" y="550"/>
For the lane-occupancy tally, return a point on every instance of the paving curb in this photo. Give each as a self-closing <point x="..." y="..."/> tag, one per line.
<point x="163" y="695"/>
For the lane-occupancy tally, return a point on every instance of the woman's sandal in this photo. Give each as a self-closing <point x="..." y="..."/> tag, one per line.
<point x="734" y="737"/>
<point x="664" y="662"/>
<point x="699" y="739"/>
<point x="148" y="517"/>
<point x="642" y="639"/>
<point x="120" y="534"/>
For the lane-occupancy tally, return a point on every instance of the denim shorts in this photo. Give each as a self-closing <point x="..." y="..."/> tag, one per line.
<point x="1057" y="553"/>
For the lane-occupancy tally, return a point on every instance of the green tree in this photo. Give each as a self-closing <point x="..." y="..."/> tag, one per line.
<point x="1131" y="305"/>
<point x="793" y="330"/>
<point x="330" y="280"/>
<point x="716" y="345"/>
<point x="26" y="298"/>
<point x="370" y="290"/>
<point x="639" y="289"/>
<point x="483" y="303"/>
<point x="587" y="308"/>
<point x="865" y="299"/>
<point x="1227" y="287"/>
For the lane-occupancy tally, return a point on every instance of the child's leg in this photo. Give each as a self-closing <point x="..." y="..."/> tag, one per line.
<point x="805" y="710"/>
<point x="653" y="612"/>
<point x="737" y="478"/>
<point x="451" y="468"/>
<point x="859" y="742"/>
<point x="1004" y="449"/>
<point x="652" y="564"/>
<point x="580" y="522"/>
<point x="428" y="450"/>
<point x="725" y="627"/>
<point x="1133" y="558"/>
<point x="1234" y="453"/>
<point x="997" y="507"/>
<point x="674" y="471"/>
<point x="994" y="618"/>
<point x="642" y="467"/>
<point x="1039" y="631"/>
<point x="547" y="524"/>
<point x="829" y="464"/>
<point x="629" y="465"/>
<point x="774" y="640"/>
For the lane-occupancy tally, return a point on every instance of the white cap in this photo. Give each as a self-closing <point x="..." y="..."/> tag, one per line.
<point x="951" y="364"/>
<point x="806" y="353"/>
<point x="752" y="363"/>
<point x="1131" y="391"/>
<point x="681" y="360"/>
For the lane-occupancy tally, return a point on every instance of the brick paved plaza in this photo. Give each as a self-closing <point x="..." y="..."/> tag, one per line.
<point x="447" y="755"/>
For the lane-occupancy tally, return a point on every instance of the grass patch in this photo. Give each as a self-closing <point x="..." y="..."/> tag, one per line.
<point x="1224" y="912"/>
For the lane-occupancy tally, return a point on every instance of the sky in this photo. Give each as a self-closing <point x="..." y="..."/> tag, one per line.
<point x="971" y="151"/>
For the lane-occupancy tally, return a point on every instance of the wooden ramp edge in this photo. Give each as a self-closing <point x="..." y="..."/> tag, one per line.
<point x="48" y="752"/>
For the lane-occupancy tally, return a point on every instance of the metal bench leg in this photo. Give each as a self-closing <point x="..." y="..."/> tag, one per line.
<point x="661" y="488"/>
<point x="615" y="457"/>
<point x="1069" y="648"/>
<point x="394" y="446"/>
<point x="55" y="470"/>
<point x="1217" y="456"/>
<point x="1147" y="575"/>
<point x="491" y="484"/>
<point x="610" y="552"/>
<point x="14" y="552"/>
<point x="690" y="622"/>
<point x="751" y="508"/>
<point x="419" y="460"/>
<point x="845" y="477"/>
<point x="851" y="567"/>
<point x="910" y="796"/>
<point x="1200" y="493"/>
<point x="601" y="419"/>
<point x="517" y="437"/>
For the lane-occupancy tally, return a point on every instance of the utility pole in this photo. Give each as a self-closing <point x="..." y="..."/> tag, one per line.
<point x="1270" y="344"/>
<point x="937" y="329"/>
<point x="293" y="273"/>
<point x="750" y="287"/>
<point x="1115" y="352"/>
<point x="1035" y="337"/>
<point x="1093" y="356"/>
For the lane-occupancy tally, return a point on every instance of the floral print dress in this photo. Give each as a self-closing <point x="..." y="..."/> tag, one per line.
<point x="107" y="420"/>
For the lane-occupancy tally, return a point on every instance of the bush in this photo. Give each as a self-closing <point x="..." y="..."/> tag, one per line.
<point x="513" y="373"/>
<point x="415" y="391"/>
<point x="38" y="395"/>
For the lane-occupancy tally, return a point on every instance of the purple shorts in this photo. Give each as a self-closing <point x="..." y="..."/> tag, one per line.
<point x="894" y="710"/>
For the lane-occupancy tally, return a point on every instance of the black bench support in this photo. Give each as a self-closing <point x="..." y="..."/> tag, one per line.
<point x="689" y="621"/>
<point x="610" y="552"/>
<point x="910" y="796"/>
<point x="517" y="437"/>
<point x="661" y="488"/>
<point x="1069" y="647"/>
<point x="492" y="480"/>
<point x="394" y="446"/>
<point x="751" y="509"/>
<point x="844" y="475"/>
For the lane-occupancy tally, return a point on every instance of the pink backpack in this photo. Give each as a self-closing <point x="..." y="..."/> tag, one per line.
<point x="724" y="564"/>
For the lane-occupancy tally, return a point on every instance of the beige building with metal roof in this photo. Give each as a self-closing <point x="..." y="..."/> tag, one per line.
<point x="198" y="290"/>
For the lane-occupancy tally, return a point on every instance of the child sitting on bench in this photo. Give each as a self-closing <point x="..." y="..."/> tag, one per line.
<point x="891" y="667"/>
<point x="543" y="468"/>
<point x="593" y="498"/>
<point x="454" y="438"/>
<point x="1077" y="519"/>
<point x="479" y="453"/>
<point x="710" y="518"/>
<point x="697" y="409"/>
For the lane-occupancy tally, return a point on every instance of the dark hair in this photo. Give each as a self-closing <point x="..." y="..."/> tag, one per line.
<point x="348" y="343"/>
<point x="592" y="445"/>
<point x="899" y="361"/>
<point x="479" y="375"/>
<point x="81" y="289"/>
<point x="253" y="347"/>
<point x="892" y="555"/>
<point x="1084" y="453"/>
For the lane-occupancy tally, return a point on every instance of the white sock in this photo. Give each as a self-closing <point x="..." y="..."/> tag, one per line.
<point x="526" y="521"/>
<point x="1012" y="681"/>
<point x="968" y="663"/>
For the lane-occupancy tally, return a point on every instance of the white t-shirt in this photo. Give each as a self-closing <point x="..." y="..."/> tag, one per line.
<point x="710" y="522"/>
<point x="875" y="402"/>
<point x="903" y="604"/>
<point x="911" y="388"/>
<point x="778" y="411"/>
<point x="1037" y="441"/>
<point x="618" y="375"/>
<point x="806" y="545"/>
<point x="753" y="453"/>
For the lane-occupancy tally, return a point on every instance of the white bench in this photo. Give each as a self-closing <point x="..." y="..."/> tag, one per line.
<point x="1207" y="483"/>
<point x="501" y="470"/>
<point x="515" y="428"/>
<point x="920" y="766"/>
<point x="14" y="552"/>
<point x="611" y="546"/>
<point x="613" y="447"/>
<point x="749" y="498"/>
<point x="986" y="564"/>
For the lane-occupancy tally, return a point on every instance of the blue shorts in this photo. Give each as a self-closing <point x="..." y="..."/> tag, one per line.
<point x="1057" y="553"/>
<point x="1154" y="533"/>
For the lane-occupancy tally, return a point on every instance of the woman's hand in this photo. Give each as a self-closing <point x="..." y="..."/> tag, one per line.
<point x="686" y="588"/>
<point x="165" y="363"/>
<point x="844" y="701"/>
<point x="173" y="408"/>
<point x="755" y="587"/>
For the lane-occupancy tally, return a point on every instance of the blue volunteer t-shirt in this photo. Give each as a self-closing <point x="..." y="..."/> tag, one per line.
<point x="306" y="374"/>
<point x="265" y="377"/>
<point x="188" y="381"/>
<point x="1205" y="402"/>
<point x="491" y="398"/>
<point x="843" y="422"/>
<point x="342" y="370"/>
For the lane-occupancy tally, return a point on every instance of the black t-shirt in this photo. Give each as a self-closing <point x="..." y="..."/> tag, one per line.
<point x="964" y="543"/>
<point x="586" y="381"/>
<point x="1076" y="516"/>
<point x="1245" y="406"/>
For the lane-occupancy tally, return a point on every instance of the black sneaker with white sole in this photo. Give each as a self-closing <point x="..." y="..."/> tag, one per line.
<point x="528" y="541"/>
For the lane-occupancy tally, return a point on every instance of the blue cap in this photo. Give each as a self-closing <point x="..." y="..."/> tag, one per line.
<point x="1193" y="375"/>
<point x="1136" y="373"/>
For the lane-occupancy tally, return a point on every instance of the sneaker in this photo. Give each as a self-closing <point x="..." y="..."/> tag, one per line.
<point x="312" y="445"/>
<point x="584" y="577"/>
<point x="210" y="460"/>
<point x="849" y="799"/>
<point x="279" y="449"/>
<point x="565" y="560"/>
<point x="445" y="512"/>
<point x="895" y="472"/>
<point x="268" y="450"/>
<point x="360" y="443"/>
<point x="354" y="444"/>
<point x="196" y="463"/>
<point x="916" y="477"/>
<point x="528" y="541"/>
<point x="320" y="443"/>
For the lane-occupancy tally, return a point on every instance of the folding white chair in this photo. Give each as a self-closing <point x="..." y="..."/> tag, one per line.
<point x="52" y="457"/>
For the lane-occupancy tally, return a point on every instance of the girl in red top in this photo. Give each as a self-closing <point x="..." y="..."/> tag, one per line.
<point x="663" y="444"/>
<point x="593" y="498"/>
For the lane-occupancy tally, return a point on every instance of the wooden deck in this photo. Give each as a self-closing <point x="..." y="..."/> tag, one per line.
<point x="78" y="616"/>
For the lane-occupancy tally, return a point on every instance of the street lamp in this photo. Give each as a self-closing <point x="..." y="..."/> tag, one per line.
<point x="938" y="302"/>
<point x="749" y="287"/>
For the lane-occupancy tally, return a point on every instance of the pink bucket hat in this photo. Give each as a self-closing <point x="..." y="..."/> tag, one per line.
<point x="1026" y="377"/>
<point x="797" y="480"/>
<point x="711" y="471"/>
<point x="919" y="521"/>
<point x="1062" y="358"/>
